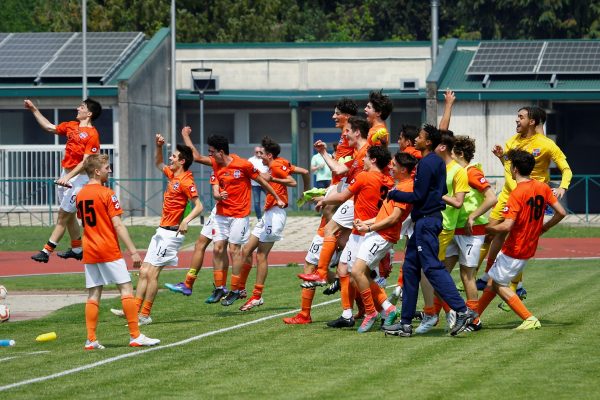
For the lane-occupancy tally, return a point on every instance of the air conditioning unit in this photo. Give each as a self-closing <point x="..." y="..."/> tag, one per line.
<point x="409" y="85"/>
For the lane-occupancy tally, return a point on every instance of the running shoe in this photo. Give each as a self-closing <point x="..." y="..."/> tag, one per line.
<point x="463" y="319"/>
<point x="399" y="329"/>
<point x="427" y="323"/>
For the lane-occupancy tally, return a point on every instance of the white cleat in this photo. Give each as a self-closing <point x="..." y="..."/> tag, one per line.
<point x="143" y="320"/>
<point x="450" y="320"/>
<point x="427" y="323"/>
<point x="93" y="345"/>
<point x="143" y="340"/>
<point x="118" y="312"/>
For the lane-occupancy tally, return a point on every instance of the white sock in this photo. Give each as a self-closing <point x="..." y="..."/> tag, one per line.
<point x="347" y="313"/>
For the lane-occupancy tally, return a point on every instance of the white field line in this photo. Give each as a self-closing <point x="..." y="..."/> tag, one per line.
<point x="18" y="355"/>
<point x="157" y="348"/>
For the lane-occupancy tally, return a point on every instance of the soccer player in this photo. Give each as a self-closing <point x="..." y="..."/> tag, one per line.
<point x="169" y="236"/>
<point x="268" y="230"/>
<point x="100" y="213"/>
<point x="231" y="224"/>
<point x="82" y="141"/>
<point x="469" y="234"/>
<point x="406" y="141"/>
<point x="423" y="245"/>
<point x="378" y="109"/>
<point x="205" y="238"/>
<point x="524" y="223"/>
<point x="381" y="233"/>
<point x="544" y="150"/>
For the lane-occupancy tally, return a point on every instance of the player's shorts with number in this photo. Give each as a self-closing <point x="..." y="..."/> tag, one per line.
<point x="66" y="196"/>
<point x="234" y="230"/>
<point x="163" y="248"/>
<point x="270" y="227"/>
<point x="467" y="249"/>
<point x="344" y="215"/>
<point x="208" y="228"/>
<point x="506" y="268"/>
<point x="350" y="252"/>
<point x="373" y="249"/>
<point x="106" y="273"/>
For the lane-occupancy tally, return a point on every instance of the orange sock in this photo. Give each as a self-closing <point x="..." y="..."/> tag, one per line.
<point x="146" y="308"/>
<point x="131" y="314"/>
<point x="91" y="319"/>
<point x="345" y="292"/>
<point x="367" y="299"/>
<point x="75" y="244"/>
<point x="49" y="247"/>
<point x="189" y="280"/>
<point x="485" y="300"/>
<point x="138" y="304"/>
<point x="400" y="278"/>
<point x="219" y="277"/>
<point x="258" y="289"/>
<point x="429" y="310"/>
<point x="246" y="268"/>
<point x="327" y="250"/>
<point x="307" y="299"/>
<point x="518" y="307"/>
<point x="439" y="304"/>
<point x="472" y="304"/>
<point x="235" y="282"/>
<point x="378" y="295"/>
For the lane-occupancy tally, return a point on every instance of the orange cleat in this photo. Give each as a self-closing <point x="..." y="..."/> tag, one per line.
<point x="298" y="320"/>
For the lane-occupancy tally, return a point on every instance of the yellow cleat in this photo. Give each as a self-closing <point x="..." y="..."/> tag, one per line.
<point x="529" y="323"/>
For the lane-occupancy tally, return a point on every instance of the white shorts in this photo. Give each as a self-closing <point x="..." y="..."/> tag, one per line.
<point x="234" y="230"/>
<point x="66" y="196"/>
<point x="163" y="248"/>
<point x="207" y="230"/>
<point x="101" y="274"/>
<point x="344" y="215"/>
<point x="373" y="249"/>
<point x="350" y="252"/>
<point x="408" y="227"/>
<point x="505" y="269"/>
<point x="314" y="253"/>
<point x="466" y="248"/>
<point x="270" y="227"/>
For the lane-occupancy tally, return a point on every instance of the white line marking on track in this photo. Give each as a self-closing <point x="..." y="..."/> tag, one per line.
<point x="160" y="347"/>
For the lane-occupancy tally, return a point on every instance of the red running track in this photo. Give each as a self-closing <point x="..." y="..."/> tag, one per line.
<point x="19" y="263"/>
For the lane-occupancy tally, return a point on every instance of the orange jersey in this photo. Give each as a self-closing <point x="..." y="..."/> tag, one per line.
<point x="526" y="205"/>
<point x="96" y="205"/>
<point x="235" y="180"/>
<point x="179" y="190"/>
<point x="369" y="189"/>
<point x="413" y="152"/>
<point x="342" y="151"/>
<point x="80" y="141"/>
<point x="356" y="165"/>
<point x="392" y="233"/>
<point x="382" y="136"/>
<point x="280" y="168"/>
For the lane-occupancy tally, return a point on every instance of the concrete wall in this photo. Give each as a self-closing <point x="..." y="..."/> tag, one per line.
<point x="301" y="68"/>
<point x="144" y="103"/>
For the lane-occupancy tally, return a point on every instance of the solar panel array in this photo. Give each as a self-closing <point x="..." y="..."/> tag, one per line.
<point x="536" y="57"/>
<point x="59" y="54"/>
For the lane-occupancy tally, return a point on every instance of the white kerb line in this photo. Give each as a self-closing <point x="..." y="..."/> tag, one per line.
<point x="137" y="353"/>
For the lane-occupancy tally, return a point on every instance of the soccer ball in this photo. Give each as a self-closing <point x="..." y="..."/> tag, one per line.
<point x="4" y="313"/>
<point x="3" y="292"/>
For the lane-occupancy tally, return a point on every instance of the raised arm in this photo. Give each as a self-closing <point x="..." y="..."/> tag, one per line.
<point x="158" y="154"/>
<point x="199" y="158"/>
<point x="305" y="176"/>
<point x="335" y="167"/>
<point x="39" y="117"/>
<point x="125" y="238"/>
<point x="450" y="98"/>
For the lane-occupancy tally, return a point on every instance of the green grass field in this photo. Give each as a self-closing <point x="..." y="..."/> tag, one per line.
<point x="271" y="360"/>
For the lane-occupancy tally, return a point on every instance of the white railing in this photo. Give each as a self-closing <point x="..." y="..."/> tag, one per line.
<point x="27" y="173"/>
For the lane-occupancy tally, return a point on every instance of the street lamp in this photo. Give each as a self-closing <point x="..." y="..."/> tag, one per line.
<point x="203" y="82"/>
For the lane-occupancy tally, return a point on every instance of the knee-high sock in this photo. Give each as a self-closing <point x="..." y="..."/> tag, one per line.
<point x="327" y="250"/>
<point x="307" y="299"/>
<point x="486" y="298"/>
<point x="246" y="268"/>
<point x="91" y="319"/>
<point x="518" y="307"/>
<point x="131" y="314"/>
<point x="219" y="277"/>
<point x="367" y="299"/>
<point x="378" y="294"/>
<point x="146" y="308"/>
<point x="345" y="288"/>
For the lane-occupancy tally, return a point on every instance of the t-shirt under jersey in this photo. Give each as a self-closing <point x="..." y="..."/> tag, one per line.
<point x="180" y="189"/>
<point x="235" y="180"/>
<point x="280" y="168"/>
<point x="526" y="205"/>
<point x="81" y="140"/>
<point x="96" y="206"/>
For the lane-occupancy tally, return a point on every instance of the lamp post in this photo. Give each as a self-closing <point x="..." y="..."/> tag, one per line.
<point x="202" y="78"/>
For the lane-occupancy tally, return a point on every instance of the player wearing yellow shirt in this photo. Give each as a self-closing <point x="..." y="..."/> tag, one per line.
<point x="529" y="137"/>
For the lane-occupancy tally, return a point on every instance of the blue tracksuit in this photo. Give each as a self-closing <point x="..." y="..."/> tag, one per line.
<point x="423" y="246"/>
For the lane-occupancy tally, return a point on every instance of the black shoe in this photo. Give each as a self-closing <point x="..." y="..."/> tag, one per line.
<point x="474" y="327"/>
<point x="231" y="297"/>
<point x="334" y="287"/>
<point x="463" y="319"/>
<point x="216" y="295"/>
<point x="70" y="254"/>
<point x="399" y="329"/>
<point x="41" y="256"/>
<point x="419" y="315"/>
<point x="341" y="322"/>
<point x="481" y="284"/>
